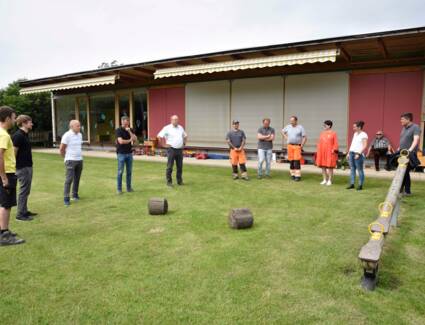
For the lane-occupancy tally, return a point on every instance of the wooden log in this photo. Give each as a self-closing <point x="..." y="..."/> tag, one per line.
<point x="240" y="218"/>
<point x="157" y="206"/>
<point x="371" y="252"/>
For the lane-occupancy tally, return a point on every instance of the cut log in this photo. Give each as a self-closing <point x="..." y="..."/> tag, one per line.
<point x="157" y="206"/>
<point x="240" y="218"/>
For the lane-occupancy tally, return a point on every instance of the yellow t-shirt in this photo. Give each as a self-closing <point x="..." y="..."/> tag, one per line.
<point x="9" y="153"/>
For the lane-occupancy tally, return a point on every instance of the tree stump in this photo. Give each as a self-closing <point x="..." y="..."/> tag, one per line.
<point x="240" y="218"/>
<point x="157" y="206"/>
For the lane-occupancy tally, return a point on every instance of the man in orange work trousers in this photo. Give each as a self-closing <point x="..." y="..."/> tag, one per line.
<point x="236" y="139"/>
<point x="295" y="137"/>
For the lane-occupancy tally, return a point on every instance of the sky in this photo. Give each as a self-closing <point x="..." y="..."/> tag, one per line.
<point x="47" y="38"/>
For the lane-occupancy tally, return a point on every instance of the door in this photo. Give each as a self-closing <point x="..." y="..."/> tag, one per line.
<point x="82" y="113"/>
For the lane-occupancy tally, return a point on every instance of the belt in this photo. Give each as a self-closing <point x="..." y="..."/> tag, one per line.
<point x="295" y="144"/>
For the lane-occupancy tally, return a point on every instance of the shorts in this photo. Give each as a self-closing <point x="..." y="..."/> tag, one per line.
<point x="237" y="157"/>
<point x="8" y="195"/>
<point x="294" y="152"/>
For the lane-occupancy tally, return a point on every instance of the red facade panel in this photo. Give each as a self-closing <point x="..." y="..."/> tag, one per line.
<point x="163" y="103"/>
<point x="379" y="100"/>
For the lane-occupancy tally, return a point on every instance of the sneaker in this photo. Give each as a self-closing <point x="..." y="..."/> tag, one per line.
<point x="119" y="192"/>
<point x="293" y="177"/>
<point x="31" y="214"/>
<point x="180" y="183"/>
<point x="259" y="176"/>
<point x="66" y="201"/>
<point x="350" y="187"/>
<point x="24" y="218"/>
<point x="169" y="184"/>
<point x="328" y="183"/>
<point x="75" y="198"/>
<point x="359" y="188"/>
<point x="8" y="239"/>
<point x="244" y="176"/>
<point x="130" y="190"/>
<point x="235" y="176"/>
<point x="297" y="179"/>
<point x="323" y="182"/>
<point x="268" y="176"/>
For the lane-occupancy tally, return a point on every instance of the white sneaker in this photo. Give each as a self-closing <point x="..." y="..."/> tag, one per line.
<point x="328" y="183"/>
<point x="323" y="182"/>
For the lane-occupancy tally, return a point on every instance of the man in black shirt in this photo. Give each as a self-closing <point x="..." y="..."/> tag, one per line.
<point x="23" y="153"/>
<point x="125" y="139"/>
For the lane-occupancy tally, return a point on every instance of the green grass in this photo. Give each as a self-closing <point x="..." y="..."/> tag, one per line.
<point x="105" y="260"/>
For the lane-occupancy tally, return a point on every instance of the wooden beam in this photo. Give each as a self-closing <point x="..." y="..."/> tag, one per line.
<point x="145" y="70"/>
<point x="267" y="53"/>
<point x="208" y="60"/>
<point x="300" y="49"/>
<point x="344" y="52"/>
<point x="182" y="63"/>
<point x="382" y="47"/>
<point x="237" y="56"/>
<point x="419" y="60"/>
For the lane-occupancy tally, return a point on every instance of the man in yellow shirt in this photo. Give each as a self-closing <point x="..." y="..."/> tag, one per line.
<point x="7" y="177"/>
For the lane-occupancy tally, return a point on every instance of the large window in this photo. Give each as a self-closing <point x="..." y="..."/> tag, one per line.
<point x="140" y="117"/>
<point x="102" y="118"/>
<point x="65" y="112"/>
<point x="82" y="116"/>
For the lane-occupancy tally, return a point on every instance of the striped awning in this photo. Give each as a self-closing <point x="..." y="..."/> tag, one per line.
<point x="81" y="83"/>
<point x="266" y="62"/>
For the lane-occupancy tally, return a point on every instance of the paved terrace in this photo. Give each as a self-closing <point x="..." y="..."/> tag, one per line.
<point x="369" y="172"/>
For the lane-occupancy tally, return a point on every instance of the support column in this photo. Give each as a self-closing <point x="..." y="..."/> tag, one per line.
<point x="52" y="104"/>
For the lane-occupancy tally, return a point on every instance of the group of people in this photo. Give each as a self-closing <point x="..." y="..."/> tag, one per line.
<point x="16" y="157"/>
<point x="327" y="150"/>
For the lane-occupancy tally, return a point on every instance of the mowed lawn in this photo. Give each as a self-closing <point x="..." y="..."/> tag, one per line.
<point x="104" y="260"/>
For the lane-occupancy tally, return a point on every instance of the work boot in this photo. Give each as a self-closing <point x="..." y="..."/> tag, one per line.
<point x="244" y="176"/>
<point x="235" y="176"/>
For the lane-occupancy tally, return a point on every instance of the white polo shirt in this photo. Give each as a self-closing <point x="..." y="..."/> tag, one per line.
<point x="173" y="135"/>
<point x="74" y="142"/>
<point x="357" y="142"/>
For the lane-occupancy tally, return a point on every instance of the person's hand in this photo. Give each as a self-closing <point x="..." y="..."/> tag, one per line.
<point x="356" y="156"/>
<point x="5" y="182"/>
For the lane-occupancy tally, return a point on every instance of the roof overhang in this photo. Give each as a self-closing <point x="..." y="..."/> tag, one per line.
<point x="256" y="63"/>
<point x="81" y="83"/>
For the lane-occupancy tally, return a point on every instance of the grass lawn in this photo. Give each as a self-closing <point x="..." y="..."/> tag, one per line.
<point x="105" y="260"/>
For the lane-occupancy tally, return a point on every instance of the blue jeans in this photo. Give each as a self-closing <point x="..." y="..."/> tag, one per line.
<point x="264" y="155"/>
<point x="356" y="164"/>
<point x="124" y="159"/>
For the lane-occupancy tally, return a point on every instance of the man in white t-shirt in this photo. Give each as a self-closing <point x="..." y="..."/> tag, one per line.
<point x="356" y="155"/>
<point x="175" y="139"/>
<point x="71" y="150"/>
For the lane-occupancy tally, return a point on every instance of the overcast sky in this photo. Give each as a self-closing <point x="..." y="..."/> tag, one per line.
<point x="46" y="38"/>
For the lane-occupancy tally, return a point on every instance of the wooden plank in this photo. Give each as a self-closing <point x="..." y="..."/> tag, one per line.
<point x="372" y="250"/>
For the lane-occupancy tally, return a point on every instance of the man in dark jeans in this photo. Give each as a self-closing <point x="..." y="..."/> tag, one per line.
<point x="125" y="139"/>
<point x="23" y="153"/>
<point x="380" y="147"/>
<point x="71" y="149"/>
<point x="409" y="140"/>
<point x="175" y="139"/>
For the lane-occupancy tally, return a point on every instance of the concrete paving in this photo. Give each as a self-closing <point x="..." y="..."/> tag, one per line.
<point x="369" y="172"/>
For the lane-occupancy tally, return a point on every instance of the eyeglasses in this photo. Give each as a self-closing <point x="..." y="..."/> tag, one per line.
<point x="379" y="134"/>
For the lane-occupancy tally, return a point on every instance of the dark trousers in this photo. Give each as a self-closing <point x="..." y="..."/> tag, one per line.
<point x="73" y="170"/>
<point x="377" y="154"/>
<point x="177" y="156"/>
<point x="127" y="161"/>
<point x="406" y="180"/>
<point x="24" y="176"/>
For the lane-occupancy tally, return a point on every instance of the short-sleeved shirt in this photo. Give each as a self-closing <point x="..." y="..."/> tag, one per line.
<point x="125" y="135"/>
<point x="295" y="133"/>
<point x="173" y="135"/>
<point x="263" y="144"/>
<point x="9" y="152"/>
<point x="236" y="137"/>
<point x="407" y="134"/>
<point x="74" y="142"/>
<point x="380" y="143"/>
<point x="357" y="141"/>
<point x="22" y="142"/>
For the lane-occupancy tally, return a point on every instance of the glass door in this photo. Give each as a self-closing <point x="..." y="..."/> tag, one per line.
<point x="82" y="114"/>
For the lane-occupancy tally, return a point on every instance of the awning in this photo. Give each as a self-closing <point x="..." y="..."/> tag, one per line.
<point x="82" y="83"/>
<point x="266" y="62"/>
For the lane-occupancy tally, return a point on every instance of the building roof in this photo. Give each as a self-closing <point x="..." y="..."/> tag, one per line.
<point x="389" y="48"/>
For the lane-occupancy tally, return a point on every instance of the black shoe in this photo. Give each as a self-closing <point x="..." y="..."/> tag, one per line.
<point x="180" y="183"/>
<point x="8" y="239"/>
<point x="293" y="178"/>
<point x="297" y="179"/>
<point x="130" y="190"/>
<point x="31" y="214"/>
<point x="350" y="187"/>
<point x="359" y="188"/>
<point x="75" y="198"/>
<point x="24" y="218"/>
<point x="169" y="184"/>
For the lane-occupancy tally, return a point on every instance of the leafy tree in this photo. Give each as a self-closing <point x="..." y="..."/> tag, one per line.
<point x="35" y="105"/>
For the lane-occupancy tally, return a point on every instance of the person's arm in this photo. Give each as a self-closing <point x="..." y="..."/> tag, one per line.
<point x="304" y="140"/>
<point x="162" y="142"/>
<point x="62" y="149"/>
<point x="364" y="146"/>
<point x="184" y="137"/>
<point x="3" y="175"/>
<point x="16" y="149"/>
<point x="335" y="144"/>
<point x="271" y="136"/>
<point x="262" y="137"/>
<point x="414" y="143"/>
<point x="229" y="142"/>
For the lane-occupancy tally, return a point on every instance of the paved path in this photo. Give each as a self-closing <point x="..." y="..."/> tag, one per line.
<point x="225" y="163"/>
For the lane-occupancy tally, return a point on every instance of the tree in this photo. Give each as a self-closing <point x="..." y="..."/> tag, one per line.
<point x="35" y="105"/>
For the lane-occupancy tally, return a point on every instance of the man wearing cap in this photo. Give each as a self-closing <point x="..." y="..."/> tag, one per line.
<point x="380" y="147"/>
<point x="175" y="139"/>
<point x="295" y="137"/>
<point x="236" y="140"/>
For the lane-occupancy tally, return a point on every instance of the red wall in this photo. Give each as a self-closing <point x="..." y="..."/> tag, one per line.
<point x="163" y="103"/>
<point x="379" y="100"/>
